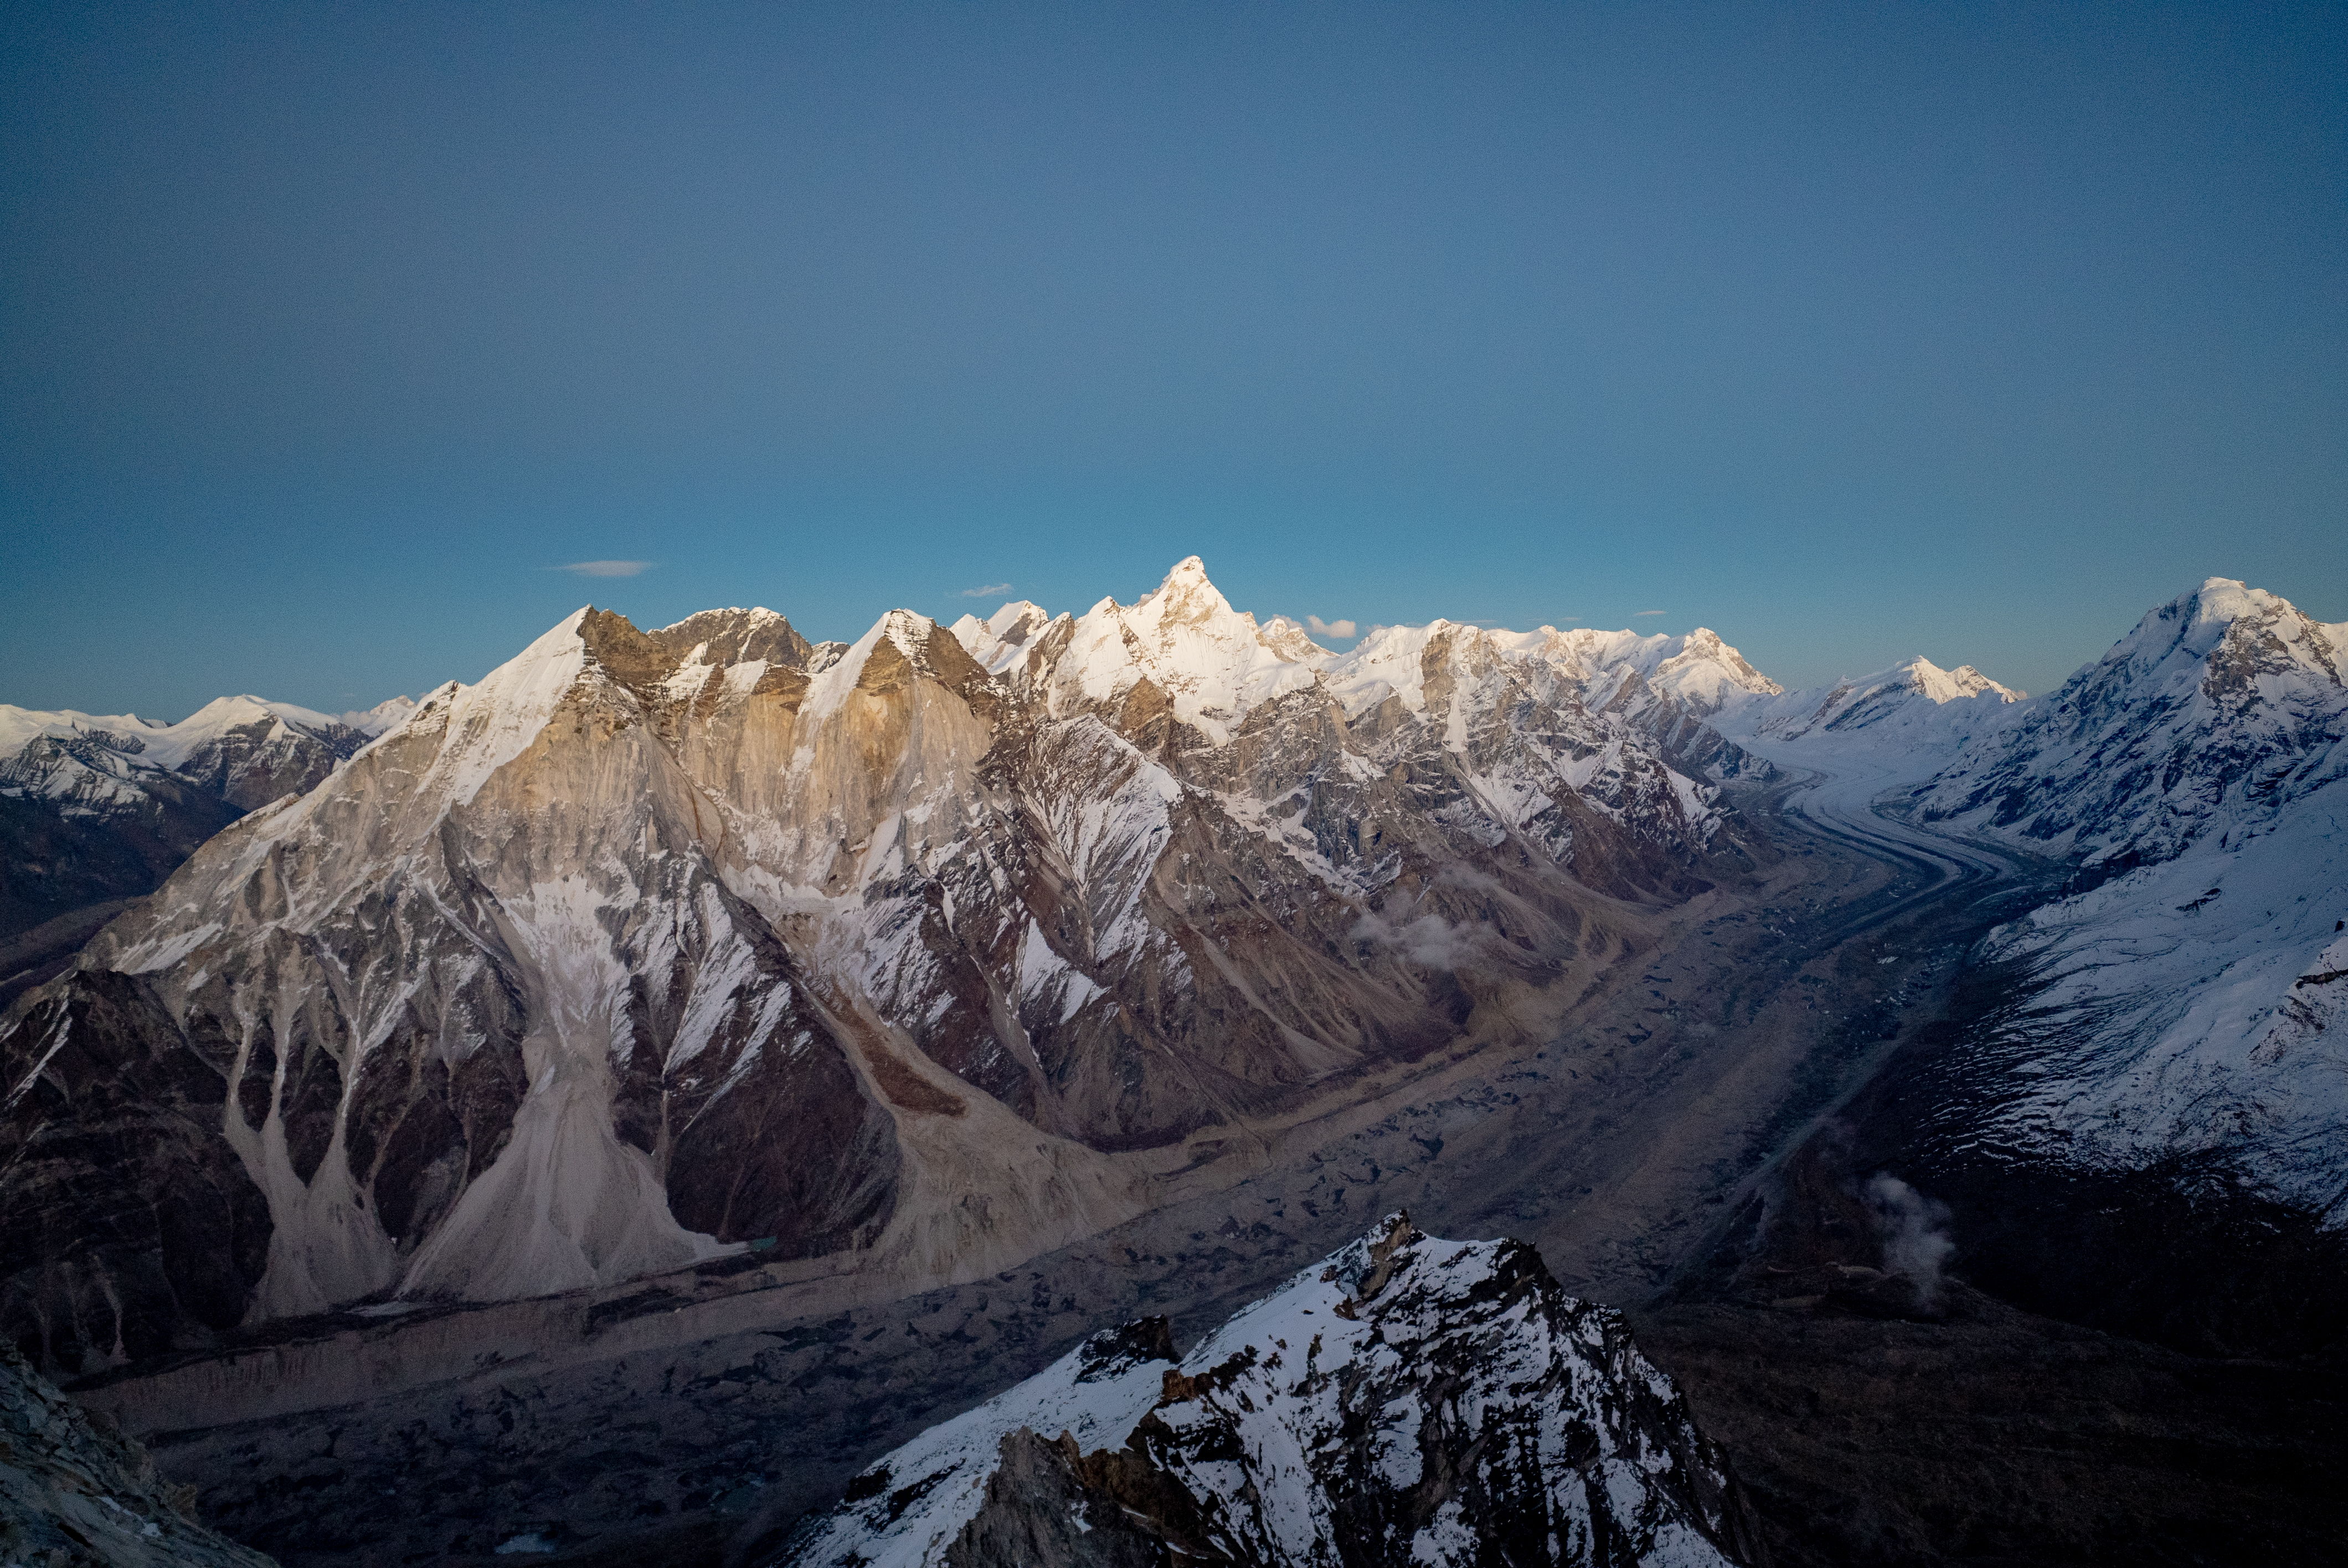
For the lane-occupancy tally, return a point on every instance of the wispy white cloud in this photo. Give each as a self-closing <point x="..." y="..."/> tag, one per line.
<point x="605" y="568"/>
<point x="1429" y="941"/>
<point x="1320" y="627"/>
<point x="1635" y="614"/>
<point x="989" y="591"/>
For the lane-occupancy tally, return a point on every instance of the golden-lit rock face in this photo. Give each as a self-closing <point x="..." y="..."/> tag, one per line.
<point x="653" y="946"/>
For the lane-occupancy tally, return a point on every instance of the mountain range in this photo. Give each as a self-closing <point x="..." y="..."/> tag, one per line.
<point x="709" y="953"/>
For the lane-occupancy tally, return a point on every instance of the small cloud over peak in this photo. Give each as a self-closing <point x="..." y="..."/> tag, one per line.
<point x="1320" y="627"/>
<point x="1637" y="613"/>
<point x="605" y="568"/>
<point x="989" y="591"/>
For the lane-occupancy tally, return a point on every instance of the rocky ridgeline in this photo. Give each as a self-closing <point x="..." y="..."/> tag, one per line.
<point x="1011" y="923"/>
<point x="77" y="1494"/>
<point x="1410" y="1400"/>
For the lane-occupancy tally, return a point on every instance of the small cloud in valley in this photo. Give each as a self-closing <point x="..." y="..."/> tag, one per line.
<point x="989" y="591"/>
<point x="1320" y="627"/>
<point x="605" y="568"/>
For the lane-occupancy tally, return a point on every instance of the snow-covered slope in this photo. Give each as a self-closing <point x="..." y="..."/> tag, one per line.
<point x="2199" y="772"/>
<point x="2197" y="1006"/>
<point x="1409" y="1400"/>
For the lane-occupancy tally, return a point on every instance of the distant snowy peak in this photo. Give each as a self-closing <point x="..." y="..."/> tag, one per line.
<point x="2220" y="708"/>
<point x="1213" y="664"/>
<point x="1707" y="673"/>
<point x="385" y="715"/>
<point x="1291" y="640"/>
<point x="1699" y="671"/>
<point x="1003" y="640"/>
<point x="1406" y="1401"/>
<point x="1182" y="644"/>
<point x="1955" y="685"/>
<point x="246" y="749"/>
<point x="1917" y="698"/>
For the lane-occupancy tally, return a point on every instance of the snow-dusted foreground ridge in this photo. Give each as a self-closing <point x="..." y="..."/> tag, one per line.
<point x="1409" y="1400"/>
<point x="75" y="1492"/>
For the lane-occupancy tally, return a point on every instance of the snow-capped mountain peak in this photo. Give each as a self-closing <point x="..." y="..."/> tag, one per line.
<point x="1705" y="672"/>
<point x="1210" y="662"/>
<point x="1968" y="681"/>
<point x="2200" y="766"/>
<point x="385" y="715"/>
<point x="1003" y="640"/>
<point x="1922" y="703"/>
<point x="2216" y="710"/>
<point x="1405" y="1401"/>
<point x="1927" y="678"/>
<point x="486" y="726"/>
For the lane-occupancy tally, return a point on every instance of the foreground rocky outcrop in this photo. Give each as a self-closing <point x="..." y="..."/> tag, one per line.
<point x="75" y="1494"/>
<point x="1410" y="1400"/>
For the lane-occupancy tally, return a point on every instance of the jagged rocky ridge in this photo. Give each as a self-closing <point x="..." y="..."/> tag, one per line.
<point x="1410" y="1400"/>
<point x="94" y="808"/>
<point x="75" y="1494"/>
<point x="522" y="997"/>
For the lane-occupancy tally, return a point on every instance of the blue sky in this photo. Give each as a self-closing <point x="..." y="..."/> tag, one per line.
<point x="328" y="333"/>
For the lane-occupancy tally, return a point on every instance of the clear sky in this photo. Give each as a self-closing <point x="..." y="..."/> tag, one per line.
<point x="329" y="332"/>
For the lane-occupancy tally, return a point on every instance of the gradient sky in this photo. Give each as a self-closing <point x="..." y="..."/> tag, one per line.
<point x="328" y="332"/>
